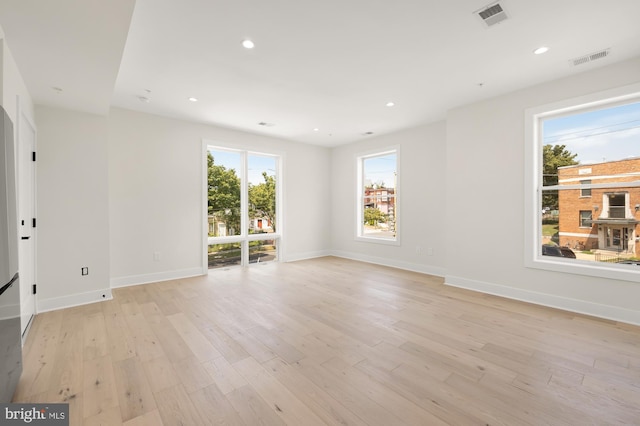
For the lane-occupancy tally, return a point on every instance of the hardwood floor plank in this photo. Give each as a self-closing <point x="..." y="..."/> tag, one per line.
<point x="38" y="362"/>
<point x="99" y="389"/>
<point x="134" y="392"/>
<point x="176" y="408"/>
<point x="357" y="402"/>
<point x="95" y="336"/>
<point x="276" y="344"/>
<point x="214" y="407"/>
<point x="406" y="410"/>
<point x="152" y="418"/>
<point x="224" y="375"/>
<point x="278" y="397"/>
<point x="108" y="417"/>
<point x="327" y="408"/>
<point x="252" y="409"/>
<point x="160" y="374"/>
<point x="195" y="340"/>
<point x="192" y="374"/>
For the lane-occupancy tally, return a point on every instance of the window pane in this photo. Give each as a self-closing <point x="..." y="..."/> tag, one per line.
<point x="594" y="159"/>
<point x="379" y="179"/>
<point x="222" y="255"/>
<point x="223" y="183"/>
<point x="262" y="251"/>
<point x="262" y="194"/>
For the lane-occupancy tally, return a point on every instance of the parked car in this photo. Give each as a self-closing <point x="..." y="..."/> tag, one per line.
<point x="550" y="250"/>
<point x="567" y="252"/>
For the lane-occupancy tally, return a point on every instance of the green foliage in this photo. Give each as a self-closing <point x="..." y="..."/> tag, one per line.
<point x="262" y="199"/>
<point x="373" y="216"/>
<point x="554" y="156"/>
<point x="223" y="195"/>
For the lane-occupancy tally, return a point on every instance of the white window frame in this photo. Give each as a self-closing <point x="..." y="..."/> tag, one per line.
<point x="533" y="184"/>
<point x="586" y="182"/>
<point x="359" y="227"/>
<point x="581" y="220"/>
<point x="244" y="237"/>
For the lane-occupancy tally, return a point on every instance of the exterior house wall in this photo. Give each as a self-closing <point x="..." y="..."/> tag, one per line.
<point x="609" y="228"/>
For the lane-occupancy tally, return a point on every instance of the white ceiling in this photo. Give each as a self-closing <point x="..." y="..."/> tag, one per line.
<point x="325" y="64"/>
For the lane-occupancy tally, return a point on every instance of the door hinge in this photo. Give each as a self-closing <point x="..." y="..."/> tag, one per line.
<point x="33" y="222"/>
<point x="34" y="289"/>
<point x="33" y="155"/>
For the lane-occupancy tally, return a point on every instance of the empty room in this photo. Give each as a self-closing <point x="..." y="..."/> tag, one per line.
<point x="320" y="213"/>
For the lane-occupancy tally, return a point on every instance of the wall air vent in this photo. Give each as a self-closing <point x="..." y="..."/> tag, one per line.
<point x="590" y="57"/>
<point x="492" y="14"/>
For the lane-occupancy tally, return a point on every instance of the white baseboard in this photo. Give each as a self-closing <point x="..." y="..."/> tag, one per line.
<point x="573" y="305"/>
<point x="425" y="269"/>
<point x="55" y="303"/>
<point x="307" y="255"/>
<point x="156" y="277"/>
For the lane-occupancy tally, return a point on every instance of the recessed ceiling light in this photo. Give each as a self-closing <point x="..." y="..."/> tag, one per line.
<point x="248" y="44"/>
<point x="192" y="99"/>
<point x="316" y="130"/>
<point x="540" y="50"/>
<point x="390" y="104"/>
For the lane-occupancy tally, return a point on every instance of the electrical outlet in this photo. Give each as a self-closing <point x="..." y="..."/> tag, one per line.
<point x="85" y="270"/>
<point x="156" y="256"/>
<point x="430" y="251"/>
<point x="418" y="250"/>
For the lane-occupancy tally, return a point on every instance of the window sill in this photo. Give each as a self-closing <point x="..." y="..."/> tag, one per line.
<point x="578" y="267"/>
<point x="374" y="240"/>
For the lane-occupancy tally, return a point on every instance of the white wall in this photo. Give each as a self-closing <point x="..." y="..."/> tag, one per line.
<point x="484" y="202"/>
<point x="73" y="221"/>
<point x="156" y="202"/>
<point x="12" y="86"/>
<point x="420" y="201"/>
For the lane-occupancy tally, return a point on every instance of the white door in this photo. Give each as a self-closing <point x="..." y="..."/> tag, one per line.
<point x="26" y="134"/>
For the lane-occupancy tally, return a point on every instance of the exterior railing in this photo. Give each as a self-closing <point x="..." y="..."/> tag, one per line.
<point x="611" y="258"/>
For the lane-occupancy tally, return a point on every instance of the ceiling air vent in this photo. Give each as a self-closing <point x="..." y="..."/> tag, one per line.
<point x="590" y="57"/>
<point x="492" y="14"/>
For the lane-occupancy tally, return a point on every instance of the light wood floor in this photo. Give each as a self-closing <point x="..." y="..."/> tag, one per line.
<point x="329" y="341"/>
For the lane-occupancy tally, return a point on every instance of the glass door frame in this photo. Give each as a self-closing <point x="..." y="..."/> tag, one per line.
<point x="244" y="238"/>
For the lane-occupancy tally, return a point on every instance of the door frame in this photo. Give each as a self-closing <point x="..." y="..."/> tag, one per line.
<point x="24" y="119"/>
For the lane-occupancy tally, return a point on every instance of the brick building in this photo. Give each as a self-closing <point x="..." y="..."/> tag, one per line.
<point x="597" y="216"/>
<point x="383" y="199"/>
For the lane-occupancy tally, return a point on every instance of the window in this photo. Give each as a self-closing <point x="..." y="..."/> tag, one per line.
<point x="242" y="193"/>
<point x="585" y="218"/>
<point x="377" y="195"/>
<point x="583" y="162"/>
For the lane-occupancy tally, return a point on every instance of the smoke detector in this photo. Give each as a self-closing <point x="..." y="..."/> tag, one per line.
<point x="492" y="14"/>
<point x="590" y="57"/>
